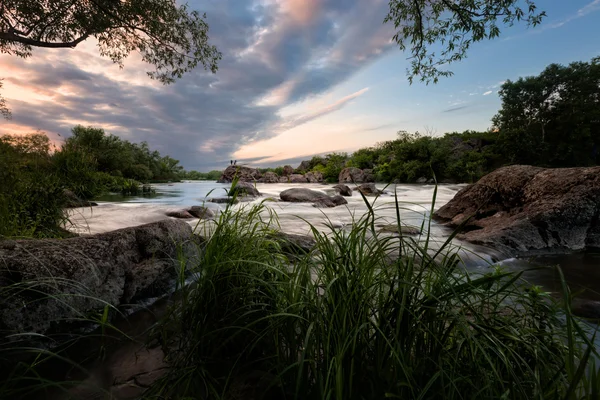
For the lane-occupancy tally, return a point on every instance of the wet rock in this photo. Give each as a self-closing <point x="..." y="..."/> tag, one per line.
<point x="369" y="189"/>
<point x="223" y="200"/>
<point x="589" y="309"/>
<point x="329" y="202"/>
<point x="351" y="175"/>
<point x="201" y="212"/>
<point x="244" y="174"/>
<point x="269" y="177"/>
<point x="288" y="170"/>
<point x="75" y="276"/>
<point x="244" y="189"/>
<point x="297" y="178"/>
<point x="284" y="179"/>
<point x="304" y="167"/>
<point x="344" y="190"/>
<point x="404" y="229"/>
<point x="295" y="244"/>
<point x="525" y="210"/>
<point x="183" y="214"/>
<point x="304" y="195"/>
<point x="421" y="180"/>
<point x="314" y="177"/>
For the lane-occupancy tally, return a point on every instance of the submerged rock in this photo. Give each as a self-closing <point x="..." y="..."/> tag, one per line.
<point x="344" y="190"/>
<point x="182" y="214"/>
<point x="404" y="229"/>
<point x="48" y="281"/>
<point x="369" y="189"/>
<point x="523" y="210"/>
<point x="304" y="195"/>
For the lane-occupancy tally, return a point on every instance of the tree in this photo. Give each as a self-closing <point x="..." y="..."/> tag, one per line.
<point x="4" y="111"/>
<point x="171" y="38"/>
<point x="452" y="26"/>
<point x="552" y="119"/>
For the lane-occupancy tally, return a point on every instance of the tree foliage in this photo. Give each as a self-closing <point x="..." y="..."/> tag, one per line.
<point x="4" y="111"/>
<point x="439" y="32"/>
<point x="171" y="38"/>
<point x="552" y="119"/>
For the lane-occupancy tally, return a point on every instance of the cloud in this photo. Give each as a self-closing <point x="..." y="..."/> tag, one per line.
<point x="488" y="92"/>
<point x="275" y="53"/>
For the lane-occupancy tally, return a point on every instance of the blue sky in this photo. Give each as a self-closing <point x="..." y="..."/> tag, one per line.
<point x="298" y="77"/>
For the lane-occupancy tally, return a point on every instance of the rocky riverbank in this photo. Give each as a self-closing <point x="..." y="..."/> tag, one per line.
<point x="524" y="210"/>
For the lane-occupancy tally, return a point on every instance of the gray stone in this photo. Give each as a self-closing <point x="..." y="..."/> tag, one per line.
<point x="68" y="278"/>
<point x="422" y="180"/>
<point x="314" y="177"/>
<point x="369" y="189"/>
<point x="243" y="174"/>
<point x="244" y="189"/>
<point x="288" y="170"/>
<point x="201" y="212"/>
<point x="404" y="229"/>
<point x="183" y="214"/>
<point x="269" y="177"/>
<point x="525" y="210"/>
<point x="304" y="195"/>
<point x="297" y="178"/>
<point x="344" y="190"/>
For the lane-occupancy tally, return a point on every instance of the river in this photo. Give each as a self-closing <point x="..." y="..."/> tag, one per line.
<point x="582" y="270"/>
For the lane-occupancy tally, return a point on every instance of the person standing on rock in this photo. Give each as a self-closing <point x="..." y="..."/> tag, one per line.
<point x="230" y="162"/>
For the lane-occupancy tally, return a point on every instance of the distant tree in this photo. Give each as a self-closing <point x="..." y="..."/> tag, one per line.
<point x="439" y="32"/>
<point x="171" y="38"/>
<point x="552" y="119"/>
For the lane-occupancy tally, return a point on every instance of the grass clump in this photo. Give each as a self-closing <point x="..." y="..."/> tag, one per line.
<point x="363" y="316"/>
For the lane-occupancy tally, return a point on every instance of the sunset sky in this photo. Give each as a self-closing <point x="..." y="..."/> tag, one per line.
<point x="297" y="78"/>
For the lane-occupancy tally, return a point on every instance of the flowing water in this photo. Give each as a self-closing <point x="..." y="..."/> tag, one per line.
<point x="582" y="270"/>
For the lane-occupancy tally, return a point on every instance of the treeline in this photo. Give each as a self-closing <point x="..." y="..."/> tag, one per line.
<point x="549" y="120"/>
<point x="40" y="179"/>
<point x="200" y="176"/>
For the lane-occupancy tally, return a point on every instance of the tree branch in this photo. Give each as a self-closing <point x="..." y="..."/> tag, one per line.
<point x="10" y="36"/>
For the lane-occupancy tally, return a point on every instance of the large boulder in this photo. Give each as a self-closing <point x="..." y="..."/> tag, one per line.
<point x="288" y="170"/>
<point x="303" y="167"/>
<point x="48" y="282"/>
<point x="356" y="175"/>
<point x="244" y="189"/>
<point x="244" y="174"/>
<point x="314" y="177"/>
<point x="529" y="210"/>
<point x="269" y="177"/>
<point x="304" y="195"/>
<point x="201" y="212"/>
<point x="297" y="178"/>
<point x="369" y="189"/>
<point x="344" y="190"/>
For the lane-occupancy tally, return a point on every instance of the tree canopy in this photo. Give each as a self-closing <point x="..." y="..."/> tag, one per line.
<point x="439" y="32"/>
<point x="171" y="38"/>
<point x="553" y="119"/>
<point x="4" y="111"/>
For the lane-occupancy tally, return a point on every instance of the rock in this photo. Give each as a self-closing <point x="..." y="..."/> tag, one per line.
<point x="523" y="210"/>
<point x="79" y="275"/>
<point x="294" y="244"/>
<point x="330" y="201"/>
<point x="201" y="212"/>
<point x="269" y="177"/>
<point x="244" y="189"/>
<point x="244" y="174"/>
<point x="284" y="179"/>
<point x="584" y="308"/>
<point x="369" y="176"/>
<point x="421" y="180"/>
<point x="304" y="167"/>
<point x="297" y="178"/>
<point x="314" y="177"/>
<point x="350" y="175"/>
<point x="183" y="214"/>
<point x="404" y="229"/>
<point x="344" y="190"/>
<point x="288" y="170"/>
<point x="303" y="195"/>
<point x="223" y="200"/>
<point x="73" y="201"/>
<point x="369" y="189"/>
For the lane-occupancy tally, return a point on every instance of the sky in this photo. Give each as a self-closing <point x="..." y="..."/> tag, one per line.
<point x="297" y="78"/>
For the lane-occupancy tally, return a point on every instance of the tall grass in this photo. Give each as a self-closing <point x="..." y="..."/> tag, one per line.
<point x="363" y="316"/>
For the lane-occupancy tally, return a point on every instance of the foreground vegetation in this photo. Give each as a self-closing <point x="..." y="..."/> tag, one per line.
<point x="361" y="316"/>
